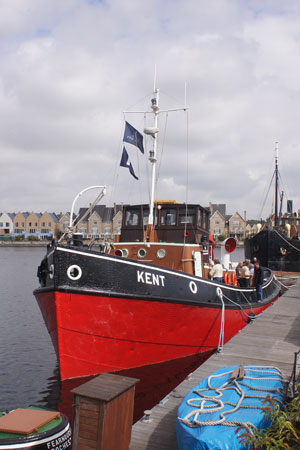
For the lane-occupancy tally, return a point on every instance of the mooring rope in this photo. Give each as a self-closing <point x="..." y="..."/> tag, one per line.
<point x="285" y="240"/>
<point x="204" y="403"/>
<point x="221" y="337"/>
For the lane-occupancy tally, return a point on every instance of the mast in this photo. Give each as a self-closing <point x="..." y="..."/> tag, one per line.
<point x="276" y="185"/>
<point x="152" y="154"/>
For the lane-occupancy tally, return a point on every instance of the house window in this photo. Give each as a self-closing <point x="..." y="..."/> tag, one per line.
<point x="217" y="222"/>
<point x="49" y="224"/>
<point x="1" y="224"/>
<point x="236" y="223"/>
<point x="43" y="224"/>
<point x="16" y="224"/>
<point x="29" y="224"/>
<point x="7" y="224"/>
<point x="22" y="224"/>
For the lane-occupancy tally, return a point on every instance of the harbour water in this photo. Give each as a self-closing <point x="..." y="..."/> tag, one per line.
<point x="29" y="372"/>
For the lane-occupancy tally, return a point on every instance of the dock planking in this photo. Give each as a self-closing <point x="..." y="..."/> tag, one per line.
<point x="270" y="340"/>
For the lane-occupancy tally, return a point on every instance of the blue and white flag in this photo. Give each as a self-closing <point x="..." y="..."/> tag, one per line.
<point x="126" y="163"/>
<point x="133" y="136"/>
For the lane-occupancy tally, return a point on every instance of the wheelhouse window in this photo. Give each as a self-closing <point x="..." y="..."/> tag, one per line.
<point x="200" y="218"/>
<point x="132" y="218"/>
<point x="168" y="217"/>
<point x="186" y="215"/>
<point x="146" y="217"/>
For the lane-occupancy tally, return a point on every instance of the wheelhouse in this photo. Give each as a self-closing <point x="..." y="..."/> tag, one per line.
<point x="174" y="222"/>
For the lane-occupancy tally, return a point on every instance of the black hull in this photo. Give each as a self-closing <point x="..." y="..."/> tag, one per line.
<point x="97" y="273"/>
<point x="274" y="251"/>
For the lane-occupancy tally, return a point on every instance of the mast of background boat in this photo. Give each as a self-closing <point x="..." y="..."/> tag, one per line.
<point x="276" y="185"/>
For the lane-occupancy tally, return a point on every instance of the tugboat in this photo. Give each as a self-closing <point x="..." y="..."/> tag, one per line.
<point x="34" y="429"/>
<point x="144" y="303"/>
<point x="277" y="244"/>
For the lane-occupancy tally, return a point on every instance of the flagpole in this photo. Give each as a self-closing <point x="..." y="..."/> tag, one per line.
<point x="152" y="153"/>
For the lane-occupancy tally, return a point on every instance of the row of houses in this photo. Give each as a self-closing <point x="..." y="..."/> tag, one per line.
<point x="103" y="222"/>
<point x="231" y="225"/>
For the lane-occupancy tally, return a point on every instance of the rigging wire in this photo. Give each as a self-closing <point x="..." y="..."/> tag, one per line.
<point x="266" y="196"/>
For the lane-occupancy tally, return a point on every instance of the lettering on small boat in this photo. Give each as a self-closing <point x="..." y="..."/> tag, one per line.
<point x="150" y="278"/>
<point x="61" y="442"/>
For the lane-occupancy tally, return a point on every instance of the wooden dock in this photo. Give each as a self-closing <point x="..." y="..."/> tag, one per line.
<point x="271" y="340"/>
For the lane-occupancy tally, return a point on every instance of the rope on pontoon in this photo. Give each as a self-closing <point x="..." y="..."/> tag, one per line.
<point x="213" y="403"/>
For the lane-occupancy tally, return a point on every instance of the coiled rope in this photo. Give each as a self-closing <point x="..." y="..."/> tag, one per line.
<point x="204" y="404"/>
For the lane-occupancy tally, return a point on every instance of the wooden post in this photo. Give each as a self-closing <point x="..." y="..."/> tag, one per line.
<point x="103" y="412"/>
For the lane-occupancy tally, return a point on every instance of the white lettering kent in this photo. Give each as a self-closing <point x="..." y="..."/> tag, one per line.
<point x="150" y="278"/>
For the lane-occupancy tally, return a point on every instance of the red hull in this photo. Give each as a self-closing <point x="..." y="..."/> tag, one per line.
<point x="98" y="334"/>
<point x="155" y="383"/>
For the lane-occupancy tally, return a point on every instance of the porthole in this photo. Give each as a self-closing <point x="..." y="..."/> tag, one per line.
<point x="142" y="253"/>
<point x="51" y="271"/>
<point x="161" y="253"/>
<point x="193" y="287"/>
<point x="125" y="252"/>
<point x="74" y="272"/>
<point x="118" y="252"/>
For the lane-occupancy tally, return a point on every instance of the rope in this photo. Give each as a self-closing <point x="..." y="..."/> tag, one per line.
<point x="285" y="240"/>
<point x="286" y="287"/>
<point x="204" y="404"/>
<point x="221" y="337"/>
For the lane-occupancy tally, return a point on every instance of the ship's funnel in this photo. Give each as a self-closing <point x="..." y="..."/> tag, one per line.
<point x="228" y="246"/>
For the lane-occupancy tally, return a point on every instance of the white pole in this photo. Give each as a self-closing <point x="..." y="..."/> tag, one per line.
<point x="77" y="197"/>
<point x="152" y="156"/>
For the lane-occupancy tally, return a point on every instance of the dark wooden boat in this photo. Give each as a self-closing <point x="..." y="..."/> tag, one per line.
<point x="146" y="302"/>
<point x="277" y="244"/>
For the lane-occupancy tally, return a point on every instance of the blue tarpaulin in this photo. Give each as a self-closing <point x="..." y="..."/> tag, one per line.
<point x="220" y="400"/>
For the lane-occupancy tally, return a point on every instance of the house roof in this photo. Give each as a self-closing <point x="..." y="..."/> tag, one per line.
<point x="54" y="217"/>
<point x="221" y="207"/>
<point x="106" y="213"/>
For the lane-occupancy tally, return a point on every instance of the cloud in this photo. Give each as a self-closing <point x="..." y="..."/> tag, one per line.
<point x="69" y="69"/>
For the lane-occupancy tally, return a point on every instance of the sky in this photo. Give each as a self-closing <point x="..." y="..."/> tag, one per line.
<point x="70" y="69"/>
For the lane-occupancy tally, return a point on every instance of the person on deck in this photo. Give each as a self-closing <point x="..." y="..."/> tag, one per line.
<point x="216" y="272"/>
<point x="245" y="275"/>
<point x="251" y="269"/>
<point x="258" y="279"/>
<point x="238" y="271"/>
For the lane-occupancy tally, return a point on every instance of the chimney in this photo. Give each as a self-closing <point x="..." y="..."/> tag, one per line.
<point x="245" y="216"/>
